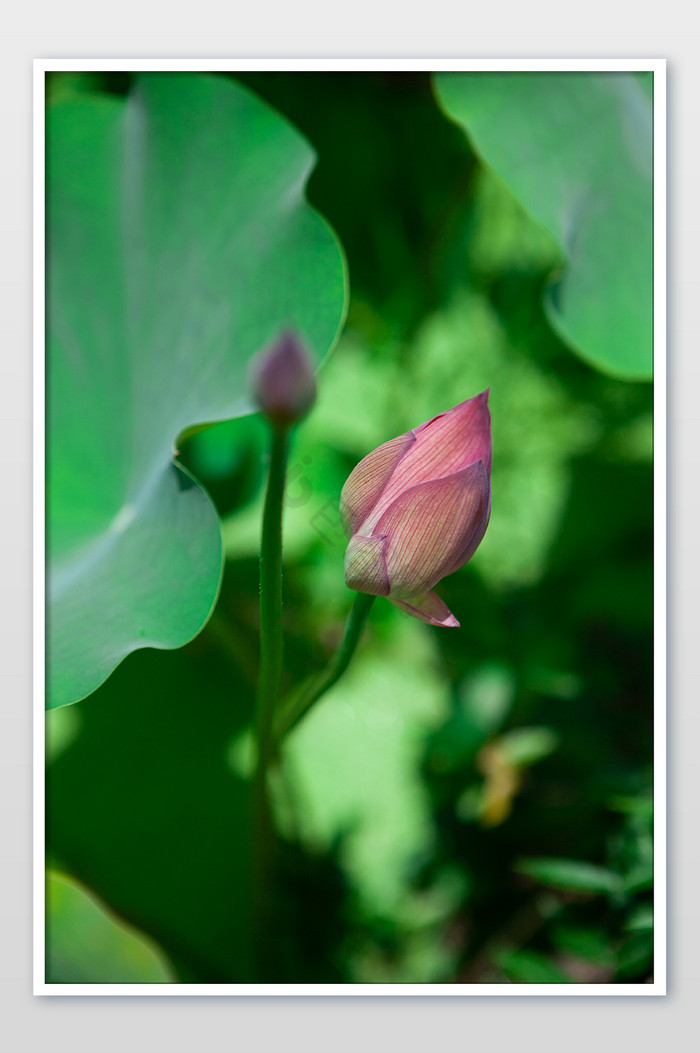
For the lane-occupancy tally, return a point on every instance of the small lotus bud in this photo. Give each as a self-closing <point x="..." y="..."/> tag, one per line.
<point x="417" y="508"/>
<point x="283" y="381"/>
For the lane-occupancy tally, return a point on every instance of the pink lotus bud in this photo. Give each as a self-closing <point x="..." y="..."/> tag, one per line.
<point x="283" y="381"/>
<point x="417" y="507"/>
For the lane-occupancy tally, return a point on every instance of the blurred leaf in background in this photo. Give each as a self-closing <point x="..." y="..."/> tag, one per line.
<point x="85" y="944"/>
<point x="577" y="150"/>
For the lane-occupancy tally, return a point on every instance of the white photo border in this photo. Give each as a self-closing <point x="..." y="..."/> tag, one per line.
<point x="655" y="66"/>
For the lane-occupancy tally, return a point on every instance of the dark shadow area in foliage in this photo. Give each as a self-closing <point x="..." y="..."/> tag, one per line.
<point x="145" y="809"/>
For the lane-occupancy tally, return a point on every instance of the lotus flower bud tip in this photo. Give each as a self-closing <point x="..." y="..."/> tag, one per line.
<point x="283" y="382"/>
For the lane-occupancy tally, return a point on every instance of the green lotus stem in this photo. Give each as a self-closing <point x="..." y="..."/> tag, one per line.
<point x="269" y="686"/>
<point x="284" y="388"/>
<point x="271" y="637"/>
<point x="312" y="691"/>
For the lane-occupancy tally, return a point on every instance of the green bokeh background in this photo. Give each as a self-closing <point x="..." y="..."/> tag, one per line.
<point x="464" y="807"/>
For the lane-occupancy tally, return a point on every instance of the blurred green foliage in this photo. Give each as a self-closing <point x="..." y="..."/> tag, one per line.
<point x="465" y="806"/>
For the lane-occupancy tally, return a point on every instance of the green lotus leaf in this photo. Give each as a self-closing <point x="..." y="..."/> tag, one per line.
<point x="179" y="244"/>
<point x="577" y="150"/>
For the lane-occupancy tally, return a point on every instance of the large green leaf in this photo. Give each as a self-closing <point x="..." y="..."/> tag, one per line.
<point x="576" y="149"/>
<point x="179" y="243"/>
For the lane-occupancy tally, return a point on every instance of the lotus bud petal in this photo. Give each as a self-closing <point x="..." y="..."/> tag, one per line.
<point x="428" y="608"/>
<point x="365" y="565"/>
<point x="366" y="481"/>
<point x="431" y="525"/>
<point x="283" y="381"/>
<point x="417" y="508"/>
